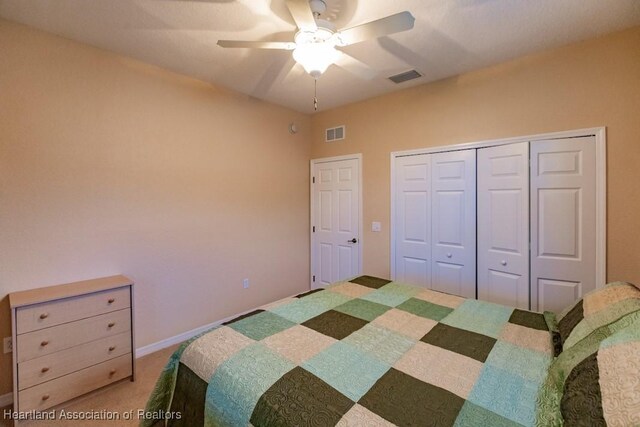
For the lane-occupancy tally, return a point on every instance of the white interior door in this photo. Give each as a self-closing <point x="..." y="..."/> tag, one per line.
<point x="563" y="224"/>
<point x="413" y="220"/>
<point x="453" y="222"/>
<point x="336" y="223"/>
<point x="503" y="224"/>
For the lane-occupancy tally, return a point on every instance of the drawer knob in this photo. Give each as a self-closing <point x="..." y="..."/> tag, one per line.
<point x="45" y="397"/>
<point x="44" y="316"/>
<point x="112" y="372"/>
<point x="111" y="300"/>
<point x="449" y="254"/>
<point x="44" y="343"/>
<point x="113" y="347"/>
<point x="44" y="370"/>
<point x="503" y="262"/>
<point x="112" y="324"/>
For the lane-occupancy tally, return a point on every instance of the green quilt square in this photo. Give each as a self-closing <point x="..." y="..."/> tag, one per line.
<point x="388" y="298"/>
<point x="300" y="398"/>
<point x="380" y="342"/>
<point x="479" y="316"/>
<point x="261" y="325"/>
<point x="300" y="310"/>
<point x="472" y="415"/>
<point x="327" y="300"/>
<point x="238" y="384"/>
<point x="347" y="369"/>
<point x="408" y="401"/>
<point x="401" y="289"/>
<point x="425" y="309"/>
<point x="362" y="309"/>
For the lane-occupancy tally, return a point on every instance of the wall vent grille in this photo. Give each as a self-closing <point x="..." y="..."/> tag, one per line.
<point x="334" y="134"/>
<point x="406" y="76"/>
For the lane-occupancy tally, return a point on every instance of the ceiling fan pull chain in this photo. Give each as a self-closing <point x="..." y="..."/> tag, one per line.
<point x="315" y="94"/>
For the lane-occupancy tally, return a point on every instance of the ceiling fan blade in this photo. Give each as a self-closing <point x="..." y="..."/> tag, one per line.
<point x="282" y="63"/>
<point x="391" y="24"/>
<point x="302" y="14"/>
<point x="355" y="67"/>
<point x="257" y="44"/>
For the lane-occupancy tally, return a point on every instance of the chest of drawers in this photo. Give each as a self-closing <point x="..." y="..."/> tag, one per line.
<point x="71" y="339"/>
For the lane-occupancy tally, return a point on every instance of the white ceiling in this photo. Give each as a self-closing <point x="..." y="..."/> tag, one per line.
<point x="450" y="37"/>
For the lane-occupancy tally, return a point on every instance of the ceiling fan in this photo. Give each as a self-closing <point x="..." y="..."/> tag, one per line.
<point x="314" y="45"/>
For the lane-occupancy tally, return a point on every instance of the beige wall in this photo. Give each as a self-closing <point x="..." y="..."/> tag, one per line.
<point x="111" y="166"/>
<point x="595" y="83"/>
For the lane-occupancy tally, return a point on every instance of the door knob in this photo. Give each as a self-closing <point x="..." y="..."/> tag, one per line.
<point x="354" y="240"/>
<point x="503" y="262"/>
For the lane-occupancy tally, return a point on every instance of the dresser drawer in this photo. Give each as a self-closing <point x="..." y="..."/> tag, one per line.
<point x="54" y="365"/>
<point x="44" y="315"/>
<point x="47" y="341"/>
<point x="56" y="391"/>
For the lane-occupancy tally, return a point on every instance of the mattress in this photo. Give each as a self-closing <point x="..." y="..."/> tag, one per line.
<point x="363" y="352"/>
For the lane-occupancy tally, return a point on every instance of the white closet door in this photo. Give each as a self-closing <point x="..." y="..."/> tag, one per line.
<point x="413" y="220"/>
<point x="453" y="224"/>
<point x="503" y="224"/>
<point x="563" y="251"/>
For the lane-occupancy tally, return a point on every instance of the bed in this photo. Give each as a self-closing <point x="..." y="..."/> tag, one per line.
<point x="371" y="352"/>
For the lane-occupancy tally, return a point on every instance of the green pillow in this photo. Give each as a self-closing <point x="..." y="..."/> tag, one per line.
<point x="596" y="381"/>
<point x="596" y="309"/>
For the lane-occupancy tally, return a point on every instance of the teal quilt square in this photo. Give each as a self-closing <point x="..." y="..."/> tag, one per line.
<point x="506" y="394"/>
<point x="239" y="382"/>
<point x="425" y="309"/>
<point x="300" y="310"/>
<point x="473" y="415"/>
<point x="380" y="342"/>
<point x="479" y="316"/>
<point x="529" y="364"/>
<point x="261" y="325"/>
<point x="362" y="309"/>
<point x="347" y="369"/>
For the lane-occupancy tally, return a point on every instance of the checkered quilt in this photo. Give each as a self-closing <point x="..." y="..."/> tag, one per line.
<point x="367" y="352"/>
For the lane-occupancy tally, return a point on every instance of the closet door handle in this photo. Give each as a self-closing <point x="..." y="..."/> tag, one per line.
<point x="354" y="240"/>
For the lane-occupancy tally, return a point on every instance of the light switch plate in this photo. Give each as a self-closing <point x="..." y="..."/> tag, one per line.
<point x="375" y="226"/>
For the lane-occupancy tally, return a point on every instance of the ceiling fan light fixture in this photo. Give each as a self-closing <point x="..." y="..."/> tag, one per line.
<point x="315" y="58"/>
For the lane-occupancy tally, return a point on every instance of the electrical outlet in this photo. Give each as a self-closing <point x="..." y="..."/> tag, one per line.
<point x="7" y="345"/>
<point x="245" y="283"/>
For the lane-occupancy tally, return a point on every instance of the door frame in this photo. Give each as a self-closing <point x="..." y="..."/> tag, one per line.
<point x="312" y="164"/>
<point x="600" y="134"/>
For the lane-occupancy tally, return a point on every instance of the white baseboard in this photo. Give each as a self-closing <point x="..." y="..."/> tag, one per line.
<point x="167" y="342"/>
<point x="6" y="399"/>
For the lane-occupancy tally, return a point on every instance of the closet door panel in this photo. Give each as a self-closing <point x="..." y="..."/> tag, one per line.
<point x="453" y="222"/>
<point x="413" y="220"/>
<point x="563" y="247"/>
<point x="503" y="224"/>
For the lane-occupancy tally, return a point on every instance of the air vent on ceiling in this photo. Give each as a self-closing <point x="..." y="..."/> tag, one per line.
<point x="403" y="77"/>
<point x="334" y="134"/>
